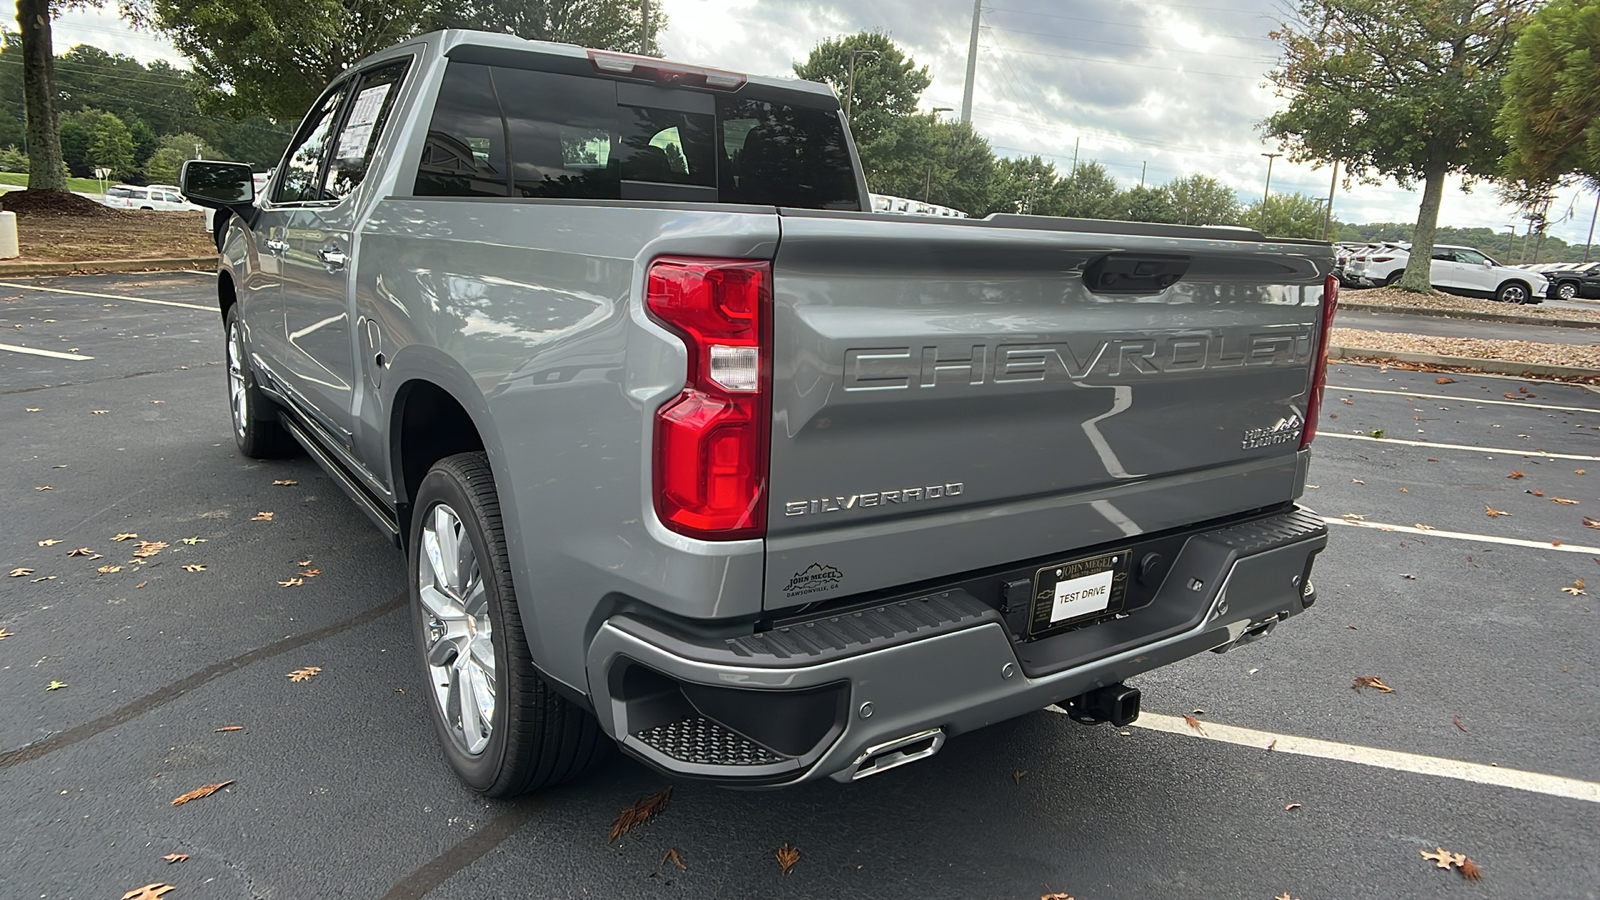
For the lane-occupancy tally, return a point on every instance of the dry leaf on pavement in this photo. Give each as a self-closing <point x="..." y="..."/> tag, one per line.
<point x="125" y="536"/>
<point x="55" y="685"/>
<point x="203" y="791"/>
<point x="193" y="567"/>
<point x="1536" y="493"/>
<point x="1371" y="681"/>
<point x="4" y="634"/>
<point x="148" y="549"/>
<point x="672" y="856"/>
<point x="1576" y="590"/>
<point x="1491" y="512"/>
<point x="1194" y="723"/>
<point x="1515" y="473"/>
<point x="641" y="811"/>
<point x="1292" y="806"/>
<point x="1059" y="895"/>
<point x="44" y="487"/>
<point x="310" y="573"/>
<point x="285" y="482"/>
<point x="1357" y="516"/>
<point x="1563" y="501"/>
<point x="1444" y="859"/>
<point x="107" y="570"/>
<point x="20" y="572"/>
<point x="1578" y="472"/>
<point x="81" y="551"/>
<point x="148" y="892"/>
<point x="261" y="517"/>
<point x="227" y="728"/>
<point x="1457" y="720"/>
<point x="292" y="582"/>
<point x="175" y="858"/>
<point x="1444" y="381"/>
<point x="1016" y="777"/>
<point x="49" y="542"/>
<point x="99" y="412"/>
<point x="787" y="857"/>
<point x="304" y="674"/>
<point x="191" y="541"/>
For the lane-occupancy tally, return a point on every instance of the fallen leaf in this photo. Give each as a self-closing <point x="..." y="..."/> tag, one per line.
<point x="1563" y="501"/>
<point x="99" y="412"/>
<point x="1579" y="472"/>
<point x="261" y="517"/>
<point x="44" y="487"/>
<point x="1421" y="527"/>
<point x="1405" y="490"/>
<point x="4" y="634"/>
<point x="1408" y="576"/>
<point x="1444" y="381"/>
<point x="303" y="563"/>
<point x="1441" y="857"/>
<point x="1574" y="591"/>
<point x="124" y="536"/>
<point x="1555" y="543"/>
<point x="1433" y="459"/>
<point x="1347" y="401"/>
<point x="305" y="673"/>
<point x="107" y="570"/>
<point x="193" y="567"/>
<point x="1194" y="723"/>
<point x="203" y="791"/>
<point x="148" y="549"/>
<point x="788" y="856"/>
<point x="1536" y="492"/>
<point x="1016" y="777"/>
<point x="1491" y="512"/>
<point x="227" y="728"/>
<point x="672" y="856"/>
<point x="140" y="585"/>
<point x="1292" y="806"/>
<point x="1377" y="433"/>
<point x="20" y="572"/>
<point x="1515" y="473"/>
<point x="639" y="812"/>
<point x="191" y="541"/>
<point x="1059" y="895"/>
<point x="1509" y="396"/>
<point x="1284" y="896"/>
<point x="148" y="892"/>
<point x="175" y="858"/>
<point x="285" y="482"/>
<point x="1591" y="523"/>
<point x="1371" y="681"/>
<point x="44" y="578"/>
<point x="1522" y="390"/>
<point x="1457" y="720"/>
<point x="33" y="409"/>
<point x="1357" y="516"/>
<point x="310" y="573"/>
<point x="49" y="542"/>
<point x="292" y="582"/>
<point x="1357" y="481"/>
<point x="1273" y="745"/>
<point x="55" y="685"/>
<point x="1469" y="869"/>
<point x="81" y="551"/>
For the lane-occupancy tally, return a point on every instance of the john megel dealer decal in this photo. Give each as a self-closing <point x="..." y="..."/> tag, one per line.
<point x="815" y="579"/>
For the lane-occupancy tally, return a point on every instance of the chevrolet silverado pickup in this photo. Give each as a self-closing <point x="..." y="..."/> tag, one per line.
<point x="690" y="452"/>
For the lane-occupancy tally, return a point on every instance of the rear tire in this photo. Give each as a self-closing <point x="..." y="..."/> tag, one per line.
<point x="1567" y="290"/>
<point x="1394" y="277"/>
<point x="504" y="730"/>
<point x="256" y="428"/>
<point x="1513" y="292"/>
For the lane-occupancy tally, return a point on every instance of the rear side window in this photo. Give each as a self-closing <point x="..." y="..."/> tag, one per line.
<point x="363" y="125"/>
<point x="505" y="132"/>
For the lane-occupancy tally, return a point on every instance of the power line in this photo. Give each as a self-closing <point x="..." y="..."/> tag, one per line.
<point x="1023" y="12"/>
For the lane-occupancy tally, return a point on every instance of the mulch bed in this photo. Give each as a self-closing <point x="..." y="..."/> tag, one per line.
<point x="57" y="204"/>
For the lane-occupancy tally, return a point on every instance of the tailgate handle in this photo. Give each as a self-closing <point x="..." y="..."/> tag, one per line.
<point x="1129" y="273"/>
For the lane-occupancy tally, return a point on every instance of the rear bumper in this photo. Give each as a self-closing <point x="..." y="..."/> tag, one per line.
<point x="815" y="699"/>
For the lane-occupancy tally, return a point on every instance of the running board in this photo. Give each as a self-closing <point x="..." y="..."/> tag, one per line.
<point x="376" y="510"/>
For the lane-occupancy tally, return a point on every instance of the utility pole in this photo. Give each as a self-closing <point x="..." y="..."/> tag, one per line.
<point x="1327" y="212"/>
<point x="850" y="90"/>
<point x="1591" y="226"/>
<point x="644" y="27"/>
<point x="1075" y="155"/>
<point x="1142" y="166"/>
<point x="1544" y="227"/>
<point x="972" y="63"/>
<point x="1266" y="191"/>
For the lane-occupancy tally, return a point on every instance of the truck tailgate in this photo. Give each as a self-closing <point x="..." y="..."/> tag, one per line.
<point x="952" y="396"/>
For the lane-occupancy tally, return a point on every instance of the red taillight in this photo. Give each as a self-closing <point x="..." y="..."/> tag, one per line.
<point x="1319" y="359"/>
<point x="634" y="66"/>
<point x="1382" y="258"/>
<point x="711" y="440"/>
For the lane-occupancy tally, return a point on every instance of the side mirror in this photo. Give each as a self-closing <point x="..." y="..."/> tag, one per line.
<point x="218" y="185"/>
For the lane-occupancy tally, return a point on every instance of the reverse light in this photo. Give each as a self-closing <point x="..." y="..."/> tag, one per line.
<point x="711" y="441"/>
<point x="634" y="66"/>
<point x="1319" y="374"/>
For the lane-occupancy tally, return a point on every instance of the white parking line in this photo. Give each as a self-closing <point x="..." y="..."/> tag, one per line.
<point x="1394" y="760"/>
<point x="1539" y="453"/>
<point x="1464" y="536"/>
<point x="50" y="290"/>
<point x="1464" y="399"/>
<point x="53" y="354"/>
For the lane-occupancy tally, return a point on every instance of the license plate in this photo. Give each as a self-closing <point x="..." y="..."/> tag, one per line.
<point x="1074" y="592"/>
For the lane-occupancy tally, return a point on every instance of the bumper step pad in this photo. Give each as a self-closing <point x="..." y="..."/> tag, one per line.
<point x="699" y="740"/>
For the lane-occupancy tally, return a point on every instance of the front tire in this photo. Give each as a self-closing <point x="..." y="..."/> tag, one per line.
<point x="1512" y="292"/>
<point x="504" y="730"/>
<point x="256" y="428"/>
<point x="1394" y="277"/>
<point x="1567" y="290"/>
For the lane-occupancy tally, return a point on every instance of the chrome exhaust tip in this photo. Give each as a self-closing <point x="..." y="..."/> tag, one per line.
<point x="898" y="752"/>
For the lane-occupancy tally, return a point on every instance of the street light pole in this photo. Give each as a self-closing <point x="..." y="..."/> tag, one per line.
<point x="1266" y="191"/>
<point x="644" y="27"/>
<point x="1327" y="211"/>
<point x="1591" y="226"/>
<point x="850" y="89"/>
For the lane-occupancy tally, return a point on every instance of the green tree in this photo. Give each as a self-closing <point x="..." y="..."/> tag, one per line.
<point x="76" y="132"/>
<point x="1203" y="200"/>
<point x="1086" y="193"/>
<point x="1551" y="117"/>
<point x="1147" y="204"/>
<point x="1406" y="89"/>
<point x="1024" y="185"/>
<point x="947" y="163"/>
<point x="112" y="146"/>
<point x="607" y="24"/>
<point x="885" y="89"/>
<point x="1287" y="215"/>
<point x="163" y="164"/>
<point x="13" y="160"/>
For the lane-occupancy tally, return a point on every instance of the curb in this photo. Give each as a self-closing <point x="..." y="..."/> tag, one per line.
<point x="1493" y="366"/>
<point x="1466" y="314"/>
<point x="15" y="270"/>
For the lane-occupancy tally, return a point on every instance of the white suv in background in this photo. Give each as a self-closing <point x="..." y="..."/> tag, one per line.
<point x="163" y="197"/>
<point x="1458" y="270"/>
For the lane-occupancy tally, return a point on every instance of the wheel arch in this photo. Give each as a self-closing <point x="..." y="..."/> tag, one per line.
<point x="427" y="423"/>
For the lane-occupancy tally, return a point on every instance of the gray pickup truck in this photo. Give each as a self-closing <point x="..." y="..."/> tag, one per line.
<point x="691" y="452"/>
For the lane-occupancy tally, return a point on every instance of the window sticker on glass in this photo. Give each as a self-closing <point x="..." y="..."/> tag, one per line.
<point x="358" y="129"/>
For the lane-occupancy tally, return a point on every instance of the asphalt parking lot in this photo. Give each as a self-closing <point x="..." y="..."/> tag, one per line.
<point x="339" y="790"/>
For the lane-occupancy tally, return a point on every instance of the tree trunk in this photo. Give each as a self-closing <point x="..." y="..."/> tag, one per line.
<point x="1420" y="266"/>
<point x="39" y="93"/>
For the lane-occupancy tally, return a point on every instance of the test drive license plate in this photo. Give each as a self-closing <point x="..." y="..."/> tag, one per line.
<point x="1072" y="592"/>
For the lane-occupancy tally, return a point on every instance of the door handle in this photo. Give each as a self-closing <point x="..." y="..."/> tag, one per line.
<point x="332" y="257"/>
<point x="277" y="246"/>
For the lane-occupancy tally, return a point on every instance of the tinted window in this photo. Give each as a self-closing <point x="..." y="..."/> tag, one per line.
<point x="302" y="168"/>
<point x="1471" y="257"/>
<point x="568" y="136"/>
<point x="362" y="127"/>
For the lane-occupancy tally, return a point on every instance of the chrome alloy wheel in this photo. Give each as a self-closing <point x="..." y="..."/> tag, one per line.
<point x="1514" y="293"/>
<point x="236" y="386"/>
<point x="1567" y="290"/>
<point x="456" y="628"/>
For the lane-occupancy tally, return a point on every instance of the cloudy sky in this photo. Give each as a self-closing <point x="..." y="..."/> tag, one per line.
<point x="1167" y="89"/>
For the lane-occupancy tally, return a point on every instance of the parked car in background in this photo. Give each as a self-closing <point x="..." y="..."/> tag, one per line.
<point x="1456" y="269"/>
<point x="1573" y="280"/>
<point x="162" y="197"/>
